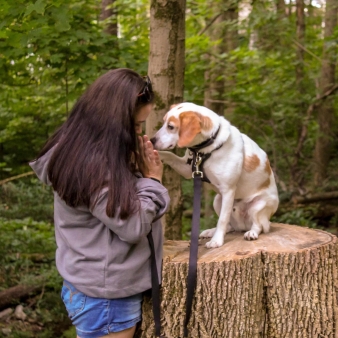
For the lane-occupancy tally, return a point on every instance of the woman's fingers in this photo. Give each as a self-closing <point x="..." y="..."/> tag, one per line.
<point x="140" y="145"/>
<point x="151" y="165"/>
<point x="149" y="150"/>
<point x="157" y="157"/>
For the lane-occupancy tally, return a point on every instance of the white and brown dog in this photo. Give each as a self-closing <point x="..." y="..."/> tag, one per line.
<point x="237" y="168"/>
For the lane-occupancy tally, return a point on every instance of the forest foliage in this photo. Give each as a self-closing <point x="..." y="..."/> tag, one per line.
<point x="51" y="50"/>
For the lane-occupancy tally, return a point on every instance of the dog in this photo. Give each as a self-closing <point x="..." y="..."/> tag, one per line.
<point x="236" y="167"/>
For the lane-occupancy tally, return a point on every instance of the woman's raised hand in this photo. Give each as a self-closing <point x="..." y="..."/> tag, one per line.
<point x="149" y="162"/>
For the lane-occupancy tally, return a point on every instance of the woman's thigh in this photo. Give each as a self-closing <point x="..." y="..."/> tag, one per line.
<point x="97" y="317"/>
<point x="129" y="333"/>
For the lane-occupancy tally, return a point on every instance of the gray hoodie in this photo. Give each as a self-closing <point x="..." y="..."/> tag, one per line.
<point x="107" y="257"/>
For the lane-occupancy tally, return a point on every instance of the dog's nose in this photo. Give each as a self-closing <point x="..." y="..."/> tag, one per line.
<point x="153" y="140"/>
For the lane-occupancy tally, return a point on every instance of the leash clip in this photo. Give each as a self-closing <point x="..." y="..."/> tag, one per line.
<point x="197" y="163"/>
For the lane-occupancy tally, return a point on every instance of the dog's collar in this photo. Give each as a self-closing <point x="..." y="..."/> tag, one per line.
<point x="205" y="143"/>
<point x="195" y="152"/>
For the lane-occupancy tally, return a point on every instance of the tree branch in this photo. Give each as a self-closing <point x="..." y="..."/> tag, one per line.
<point x="209" y="24"/>
<point x="306" y="50"/>
<point x="309" y="112"/>
<point x="13" y="294"/>
<point x="321" y="196"/>
<point x="16" y="177"/>
<point x="222" y="101"/>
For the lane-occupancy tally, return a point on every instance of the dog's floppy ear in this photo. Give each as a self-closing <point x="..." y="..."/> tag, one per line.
<point x="190" y="126"/>
<point x="206" y="123"/>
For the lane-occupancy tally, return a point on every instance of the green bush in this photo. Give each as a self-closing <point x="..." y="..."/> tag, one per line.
<point x="26" y="198"/>
<point x="300" y="216"/>
<point x="27" y="248"/>
<point x="27" y="251"/>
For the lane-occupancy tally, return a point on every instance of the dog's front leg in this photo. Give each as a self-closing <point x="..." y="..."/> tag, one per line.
<point x="217" y="239"/>
<point x="179" y="164"/>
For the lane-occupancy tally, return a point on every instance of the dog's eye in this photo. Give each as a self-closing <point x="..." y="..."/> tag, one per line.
<point x="170" y="127"/>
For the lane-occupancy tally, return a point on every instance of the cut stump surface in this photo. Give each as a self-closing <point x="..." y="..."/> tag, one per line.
<point x="284" y="284"/>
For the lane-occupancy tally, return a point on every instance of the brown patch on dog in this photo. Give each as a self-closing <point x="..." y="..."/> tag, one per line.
<point x="206" y="122"/>
<point x="251" y="163"/>
<point x="190" y="126"/>
<point x="192" y="123"/>
<point x="174" y="105"/>
<point x="268" y="167"/>
<point x="265" y="184"/>
<point x="174" y="120"/>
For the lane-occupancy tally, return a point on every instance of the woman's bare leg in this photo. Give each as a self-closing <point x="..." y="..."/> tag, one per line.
<point x="129" y="333"/>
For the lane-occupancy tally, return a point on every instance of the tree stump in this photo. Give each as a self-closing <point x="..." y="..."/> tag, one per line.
<point x="282" y="285"/>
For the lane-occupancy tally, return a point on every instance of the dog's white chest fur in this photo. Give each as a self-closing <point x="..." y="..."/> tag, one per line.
<point x="238" y="169"/>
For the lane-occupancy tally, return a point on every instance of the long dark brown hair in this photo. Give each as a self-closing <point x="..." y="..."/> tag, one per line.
<point x="97" y="145"/>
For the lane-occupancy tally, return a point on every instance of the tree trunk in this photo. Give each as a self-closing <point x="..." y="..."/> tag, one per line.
<point x="295" y="170"/>
<point x="224" y="38"/>
<point x="166" y="70"/>
<point x="108" y="11"/>
<point x="282" y="285"/>
<point x="13" y="294"/>
<point x="321" y="196"/>
<point x="281" y="9"/>
<point x="218" y="77"/>
<point x="300" y="40"/>
<point x="326" y="109"/>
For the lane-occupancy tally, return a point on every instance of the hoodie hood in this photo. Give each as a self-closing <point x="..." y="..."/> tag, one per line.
<point x="40" y="166"/>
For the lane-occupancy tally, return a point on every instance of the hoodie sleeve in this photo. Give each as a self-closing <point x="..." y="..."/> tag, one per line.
<point x="154" y="201"/>
<point x="40" y="166"/>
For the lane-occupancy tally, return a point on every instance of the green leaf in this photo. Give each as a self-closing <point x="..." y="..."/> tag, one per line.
<point x="38" y="7"/>
<point x="62" y="17"/>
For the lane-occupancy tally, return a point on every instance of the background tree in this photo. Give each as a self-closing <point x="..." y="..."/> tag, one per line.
<point x="300" y="39"/>
<point x="326" y="110"/>
<point x="221" y="30"/>
<point x="109" y="13"/>
<point x="166" y="69"/>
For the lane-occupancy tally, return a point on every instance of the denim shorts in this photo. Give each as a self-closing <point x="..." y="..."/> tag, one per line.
<point x="97" y="317"/>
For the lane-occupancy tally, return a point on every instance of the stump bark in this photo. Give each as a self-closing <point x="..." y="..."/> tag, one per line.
<point x="282" y="285"/>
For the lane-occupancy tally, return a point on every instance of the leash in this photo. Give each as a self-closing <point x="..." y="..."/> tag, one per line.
<point x="192" y="272"/>
<point x="155" y="292"/>
<point x="198" y="176"/>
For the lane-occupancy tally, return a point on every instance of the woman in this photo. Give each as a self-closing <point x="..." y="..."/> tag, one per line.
<point x="107" y="198"/>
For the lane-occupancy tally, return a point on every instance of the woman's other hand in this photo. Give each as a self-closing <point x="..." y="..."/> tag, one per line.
<point x="149" y="162"/>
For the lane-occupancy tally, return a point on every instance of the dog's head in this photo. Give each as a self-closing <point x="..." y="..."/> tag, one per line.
<point x="185" y="125"/>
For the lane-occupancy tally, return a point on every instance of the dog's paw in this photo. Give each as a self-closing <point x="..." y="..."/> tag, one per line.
<point x="208" y="233"/>
<point x="251" y="235"/>
<point x="214" y="244"/>
<point x="216" y="241"/>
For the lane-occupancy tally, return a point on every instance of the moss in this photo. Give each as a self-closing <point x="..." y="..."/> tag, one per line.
<point x="159" y="102"/>
<point x="174" y="13"/>
<point x="170" y="11"/>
